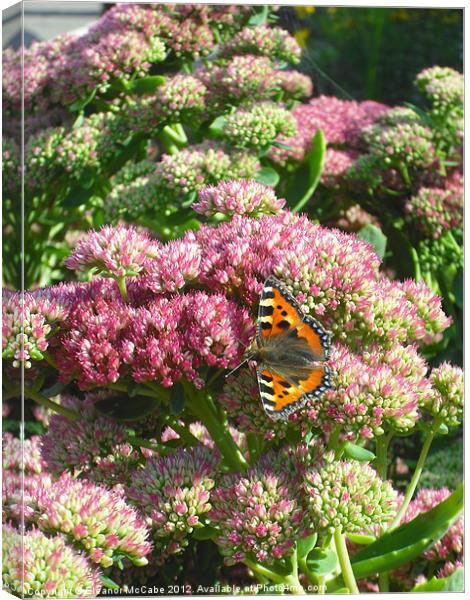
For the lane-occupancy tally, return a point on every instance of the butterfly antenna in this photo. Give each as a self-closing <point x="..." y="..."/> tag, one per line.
<point x="247" y="359"/>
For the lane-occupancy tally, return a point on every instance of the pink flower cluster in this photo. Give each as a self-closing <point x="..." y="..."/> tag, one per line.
<point x="242" y="197"/>
<point x="165" y="339"/>
<point x="433" y="210"/>
<point x="347" y="495"/>
<point x="340" y="120"/>
<point x="113" y="251"/>
<point x="97" y="520"/>
<point x="180" y="98"/>
<point x="273" y="42"/>
<point x="93" y="446"/>
<point x="27" y="323"/>
<point x="258" y="514"/>
<point x="174" y="492"/>
<point x="35" y="564"/>
<point x="295" y="85"/>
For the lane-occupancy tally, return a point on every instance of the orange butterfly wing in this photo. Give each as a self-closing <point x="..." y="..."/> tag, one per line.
<point x="280" y="398"/>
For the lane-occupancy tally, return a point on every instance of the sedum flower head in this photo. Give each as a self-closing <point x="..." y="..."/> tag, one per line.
<point x="347" y="495"/>
<point x="443" y="86"/>
<point x="93" y="445"/>
<point x="22" y="456"/>
<point x="258" y="514"/>
<point x="180" y="98"/>
<point x="174" y="492"/>
<point x="259" y="125"/>
<point x="408" y="144"/>
<point x="114" y="251"/>
<point x="188" y="171"/>
<point x="95" y="519"/>
<point x="446" y="400"/>
<point x="36" y="565"/>
<point x="340" y="120"/>
<point x="273" y="42"/>
<point x="88" y="347"/>
<point x="376" y="390"/>
<point x="295" y="85"/>
<point x="242" y="197"/>
<point x="171" y="338"/>
<point x="176" y="263"/>
<point x="333" y="275"/>
<point x="246" y="77"/>
<point x="28" y="321"/>
<point x="433" y="210"/>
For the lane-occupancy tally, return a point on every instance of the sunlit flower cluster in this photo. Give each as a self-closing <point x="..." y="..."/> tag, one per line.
<point x="243" y="197"/>
<point x="258" y="126"/>
<point x="174" y="492"/>
<point x="36" y="565"/>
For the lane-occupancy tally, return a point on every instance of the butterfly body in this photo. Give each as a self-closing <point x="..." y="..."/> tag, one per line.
<point x="291" y="353"/>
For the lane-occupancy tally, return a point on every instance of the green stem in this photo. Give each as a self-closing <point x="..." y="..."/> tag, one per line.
<point x="345" y="563"/>
<point x="167" y="141"/>
<point x="416" y="475"/>
<point x="334" y="438"/>
<point x="416" y="265"/>
<point x="200" y="406"/>
<point x="291" y="581"/>
<point x="43" y="401"/>
<point x="121" y="281"/>
<point x="50" y="359"/>
<point x="381" y="462"/>
<point x="384" y="584"/>
<point x="180" y="134"/>
<point x="255" y="446"/>
<point x="141" y="443"/>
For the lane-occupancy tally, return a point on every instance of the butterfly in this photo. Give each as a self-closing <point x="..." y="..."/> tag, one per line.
<point x="291" y="353"/>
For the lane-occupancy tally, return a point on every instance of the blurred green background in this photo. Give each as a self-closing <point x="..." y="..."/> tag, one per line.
<point x="374" y="53"/>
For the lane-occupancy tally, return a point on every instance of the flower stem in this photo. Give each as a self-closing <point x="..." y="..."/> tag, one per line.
<point x="382" y="454"/>
<point x="345" y="563"/>
<point x="416" y="475"/>
<point x="291" y="581"/>
<point x="200" y="406"/>
<point x="43" y="401"/>
<point x="121" y="281"/>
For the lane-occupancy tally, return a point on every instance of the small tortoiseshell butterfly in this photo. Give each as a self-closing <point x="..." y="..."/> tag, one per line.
<point x="292" y="349"/>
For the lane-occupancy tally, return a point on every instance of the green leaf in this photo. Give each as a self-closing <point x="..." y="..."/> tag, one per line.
<point x="409" y="540"/>
<point x="360" y="539"/>
<point x="268" y="176"/>
<point x="260" y="17"/>
<point x="109" y="583"/>
<point x="281" y="146"/>
<point x="125" y="408"/>
<point x="217" y="126"/>
<point x="204" y="533"/>
<point x="454" y="583"/>
<point x="80" y="104"/>
<point x="322" y="561"/>
<point x="307" y="178"/>
<point x="146" y="85"/>
<point x="54" y="390"/>
<point x="77" y="197"/>
<point x="374" y="236"/>
<point x="306" y="545"/>
<point x="177" y="398"/>
<point x="358" y="452"/>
